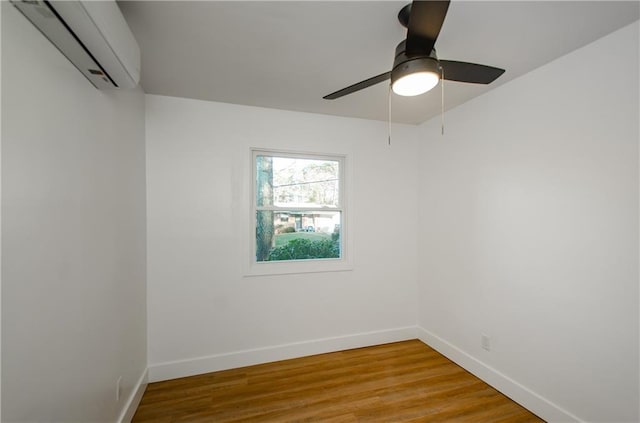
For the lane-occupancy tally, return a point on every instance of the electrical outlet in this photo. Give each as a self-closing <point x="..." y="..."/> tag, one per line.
<point x="485" y="342"/>
<point x="118" y="388"/>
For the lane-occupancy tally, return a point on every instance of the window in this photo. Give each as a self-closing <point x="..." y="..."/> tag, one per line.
<point x="298" y="208"/>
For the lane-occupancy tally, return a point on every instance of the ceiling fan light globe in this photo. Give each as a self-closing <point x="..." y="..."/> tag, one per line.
<point x="415" y="83"/>
<point x="415" y="76"/>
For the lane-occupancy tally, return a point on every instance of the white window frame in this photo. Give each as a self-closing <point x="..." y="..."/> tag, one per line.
<point x="343" y="263"/>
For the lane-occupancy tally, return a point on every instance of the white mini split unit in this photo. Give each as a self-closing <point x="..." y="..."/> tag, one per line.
<point x="93" y="35"/>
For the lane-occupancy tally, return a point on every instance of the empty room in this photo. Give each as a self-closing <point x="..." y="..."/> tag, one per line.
<point x="340" y="211"/>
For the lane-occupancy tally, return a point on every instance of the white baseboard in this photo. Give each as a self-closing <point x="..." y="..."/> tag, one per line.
<point x="520" y="394"/>
<point x="212" y="363"/>
<point x="134" y="399"/>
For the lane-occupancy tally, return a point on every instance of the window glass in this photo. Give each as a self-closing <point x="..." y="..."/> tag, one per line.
<point x="298" y="207"/>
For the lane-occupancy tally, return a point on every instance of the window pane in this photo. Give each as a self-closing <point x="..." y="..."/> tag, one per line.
<point x="295" y="182"/>
<point x="295" y="235"/>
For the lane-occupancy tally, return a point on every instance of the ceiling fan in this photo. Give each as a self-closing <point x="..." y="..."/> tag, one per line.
<point x="416" y="68"/>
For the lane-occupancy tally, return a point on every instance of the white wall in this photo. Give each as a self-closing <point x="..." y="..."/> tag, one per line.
<point x="529" y="234"/>
<point x="0" y="221"/>
<point x="73" y="241"/>
<point x="203" y="314"/>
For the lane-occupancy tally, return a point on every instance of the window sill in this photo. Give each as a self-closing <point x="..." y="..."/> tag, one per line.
<point x="297" y="267"/>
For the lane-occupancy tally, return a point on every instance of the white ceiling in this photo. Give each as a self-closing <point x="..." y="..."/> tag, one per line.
<point x="288" y="54"/>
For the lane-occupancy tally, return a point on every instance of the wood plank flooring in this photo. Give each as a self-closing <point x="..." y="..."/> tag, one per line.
<point x="399" y="382"/>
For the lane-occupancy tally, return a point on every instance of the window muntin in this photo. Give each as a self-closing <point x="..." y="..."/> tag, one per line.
<point x="298" y="208"/>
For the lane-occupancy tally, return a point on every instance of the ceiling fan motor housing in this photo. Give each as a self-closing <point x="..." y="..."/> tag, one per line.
<point x="405" y="64"/>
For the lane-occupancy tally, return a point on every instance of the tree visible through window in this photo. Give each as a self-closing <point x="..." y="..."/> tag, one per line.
<point x="298" y="207"/>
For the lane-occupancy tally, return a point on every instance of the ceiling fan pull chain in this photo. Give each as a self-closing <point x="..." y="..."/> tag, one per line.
<point x="441" y="101"/>
<point x="389" y="116"/>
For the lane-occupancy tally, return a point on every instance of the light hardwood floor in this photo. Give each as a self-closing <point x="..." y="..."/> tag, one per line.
<point x="399" y="382"/>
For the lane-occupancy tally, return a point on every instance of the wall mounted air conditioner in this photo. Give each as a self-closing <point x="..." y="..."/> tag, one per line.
<point x="93" y="35"/>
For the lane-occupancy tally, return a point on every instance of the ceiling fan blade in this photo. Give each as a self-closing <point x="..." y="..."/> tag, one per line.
<point x="469" y="72"/>
<point x="425" y="21"/>
<point x="359" y="86"/>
